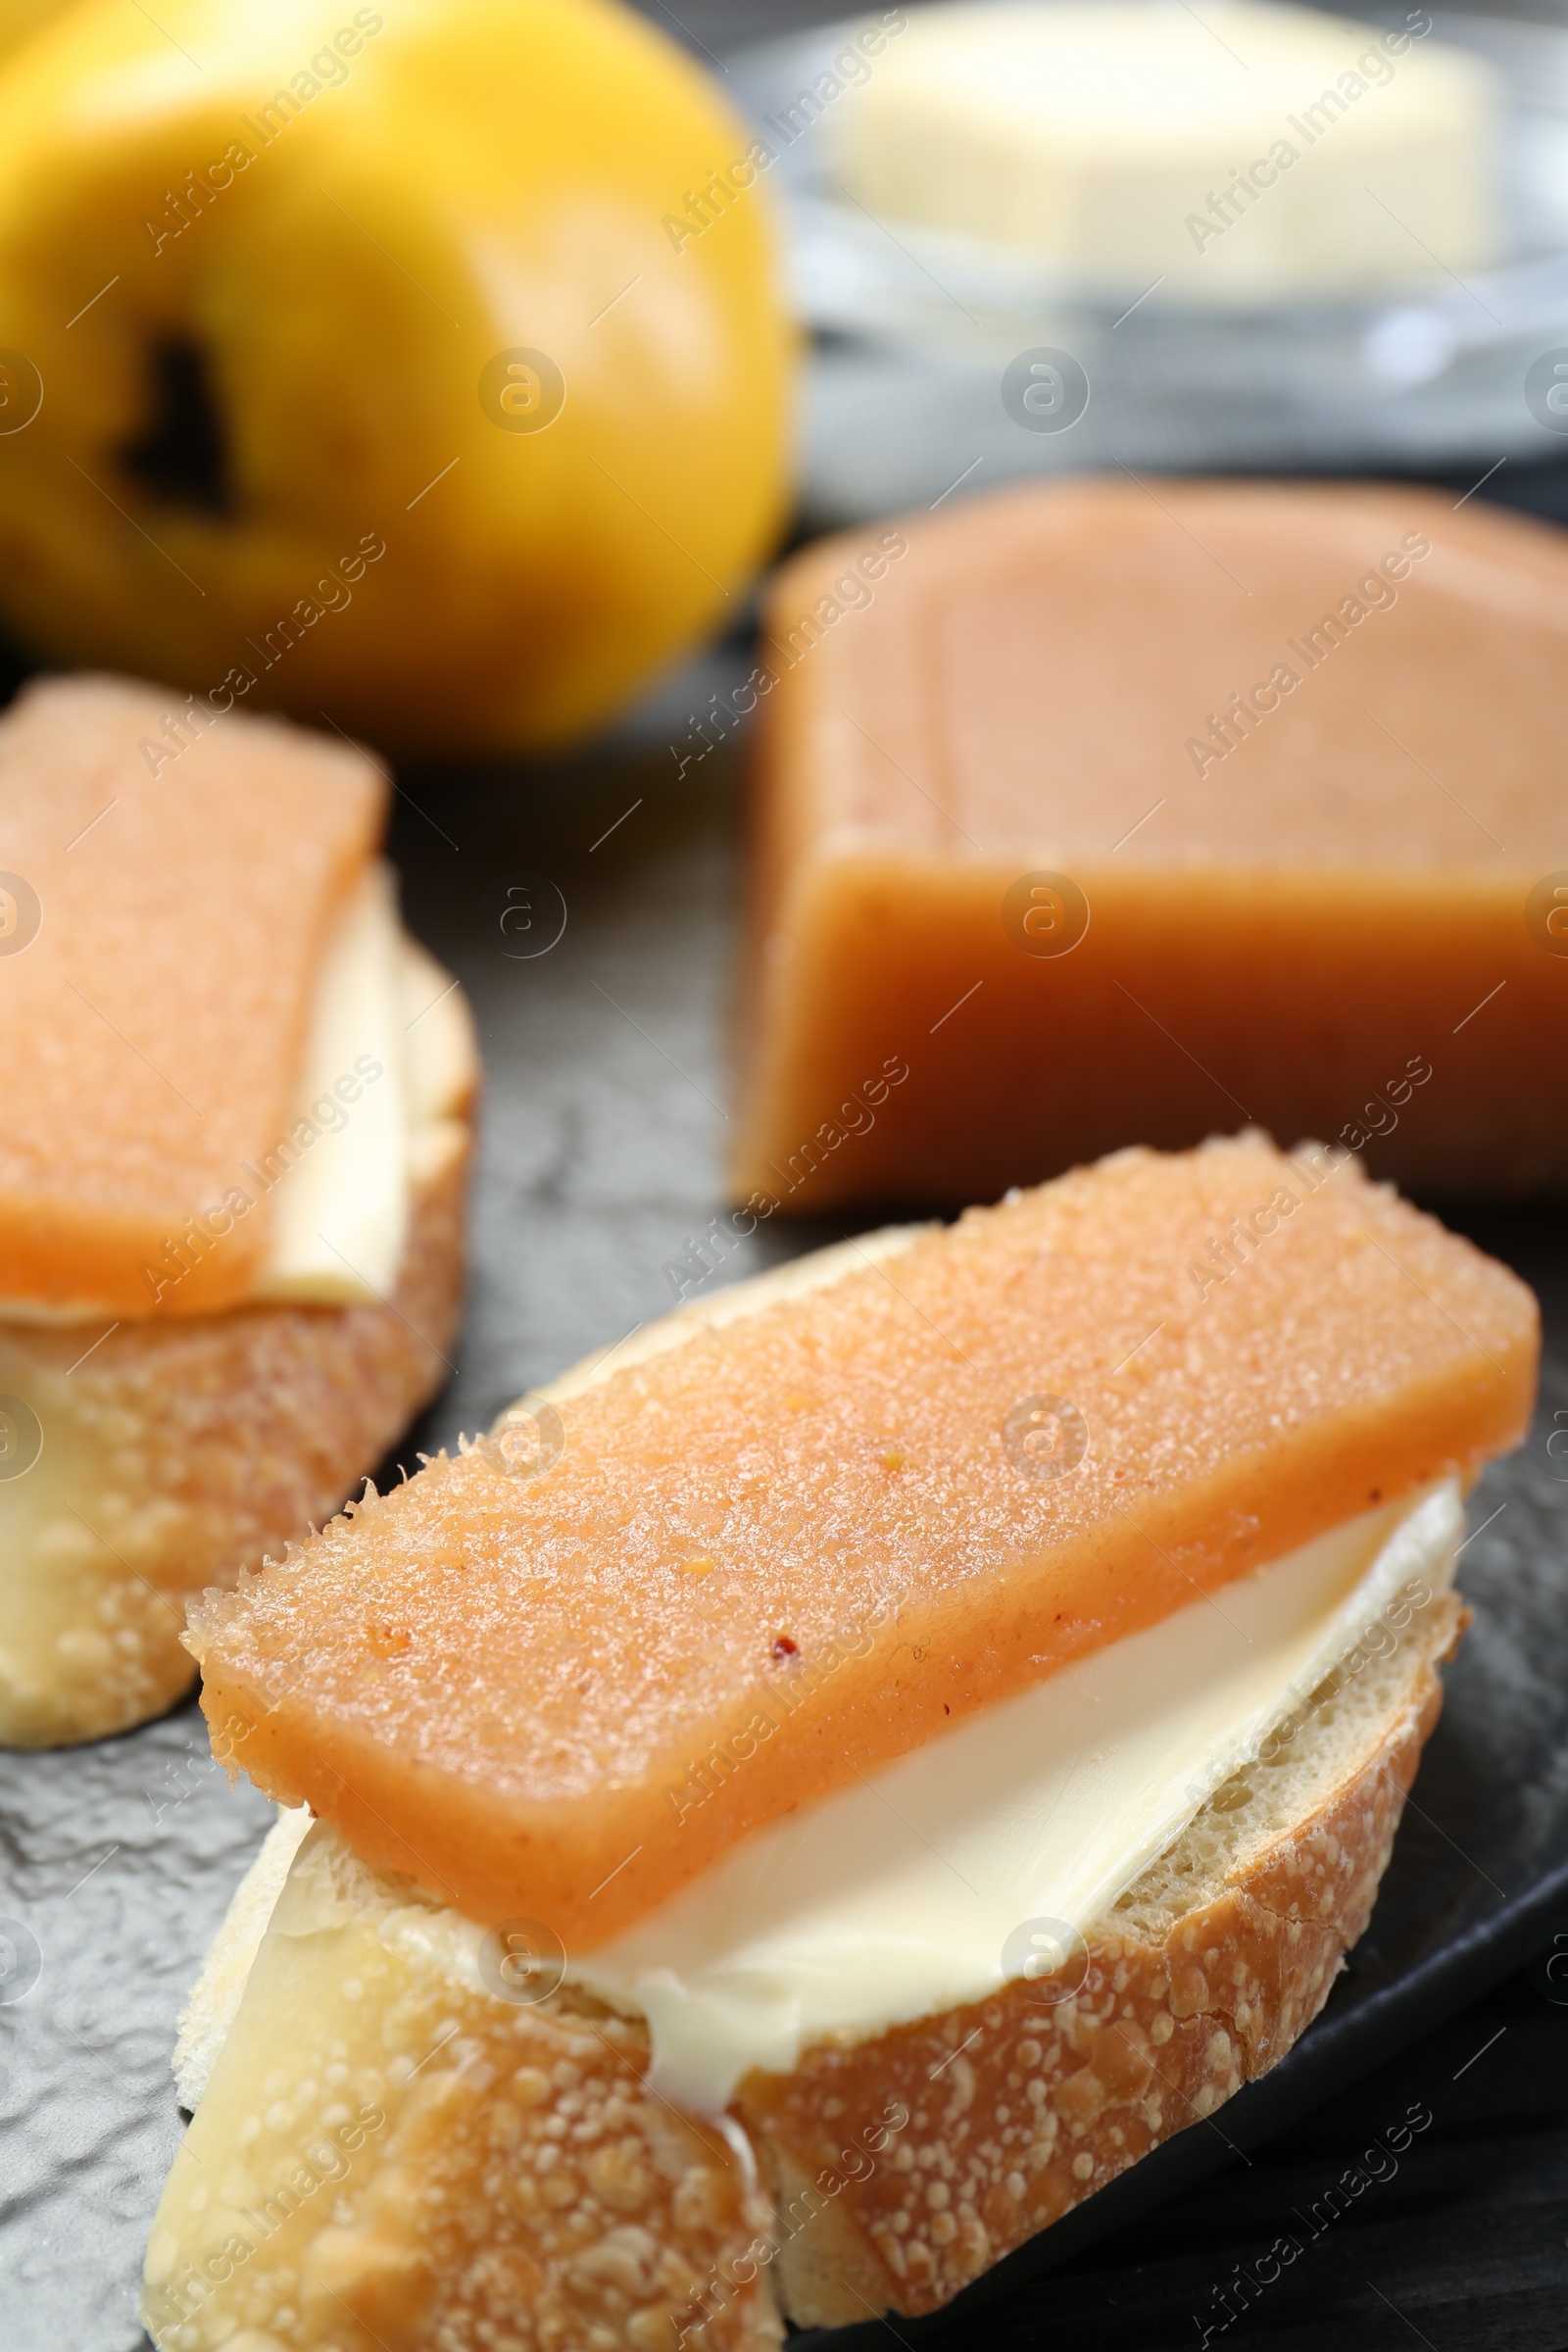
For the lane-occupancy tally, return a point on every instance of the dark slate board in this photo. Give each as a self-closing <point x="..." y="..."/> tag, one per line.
<point x="602" y="1156"/>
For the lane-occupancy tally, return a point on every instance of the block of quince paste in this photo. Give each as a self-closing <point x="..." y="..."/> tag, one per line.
<point x="1252" y="154"/>
<point x="1116" y="813"/>
<point x="803" y="1529"/>
<point x="168" y="878"/>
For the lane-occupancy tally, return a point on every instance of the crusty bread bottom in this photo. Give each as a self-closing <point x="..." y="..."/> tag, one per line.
<point x="1198" y="1980"/>
<point x="520" y="2183"/>
<point x="195" y="1448"/>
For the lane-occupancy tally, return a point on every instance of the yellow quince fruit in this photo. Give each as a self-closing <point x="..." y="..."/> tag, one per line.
<point x="364" y="360"/>
<point x="20" y="18"/>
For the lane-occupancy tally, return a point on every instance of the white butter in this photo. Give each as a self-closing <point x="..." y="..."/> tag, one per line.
<point x="894" y="1899"/>
<point x="338" y="1174"/>
<point x="1234" y="153"/>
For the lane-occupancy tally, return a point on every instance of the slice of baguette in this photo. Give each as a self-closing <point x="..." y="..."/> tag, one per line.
<point x="387" y="2154"/>
<point x="180" y="1452"/>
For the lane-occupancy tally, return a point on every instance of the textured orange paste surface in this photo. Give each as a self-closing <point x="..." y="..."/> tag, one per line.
<point x="797" y="1546"/>
<point x="153" y="1022"/>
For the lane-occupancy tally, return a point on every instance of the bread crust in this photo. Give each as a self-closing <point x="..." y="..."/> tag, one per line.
<point x="211" y="1443"/>
<point x="517" y="2184"/>
<point x="608" y="2246"/>
<point x="1018" y="2109"/>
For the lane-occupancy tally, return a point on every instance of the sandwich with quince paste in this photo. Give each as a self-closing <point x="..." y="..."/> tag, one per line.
<point x="239" y="1121"/>
<point x="822" y="1788"/>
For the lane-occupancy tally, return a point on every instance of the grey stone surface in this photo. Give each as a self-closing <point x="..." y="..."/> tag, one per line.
<point x="602" y="1145"/>
<point x="116" y="1865"/>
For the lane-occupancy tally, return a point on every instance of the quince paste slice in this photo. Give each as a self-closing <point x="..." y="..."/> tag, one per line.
<point x="757" y="1553"/>
<point x="166" y="883"/>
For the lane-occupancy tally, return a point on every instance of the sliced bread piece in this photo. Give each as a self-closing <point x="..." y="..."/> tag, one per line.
<point x="388" y="2152"/>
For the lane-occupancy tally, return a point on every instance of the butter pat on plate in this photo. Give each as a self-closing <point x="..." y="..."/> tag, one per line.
<point x="1260" y="155"/>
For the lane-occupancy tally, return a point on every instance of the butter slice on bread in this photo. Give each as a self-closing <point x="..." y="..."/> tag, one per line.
<point x="193" y="1376"/>
<point x="396" y="2142"/>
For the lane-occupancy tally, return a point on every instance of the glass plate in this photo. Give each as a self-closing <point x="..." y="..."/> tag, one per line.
<point x="917" y="328"/>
